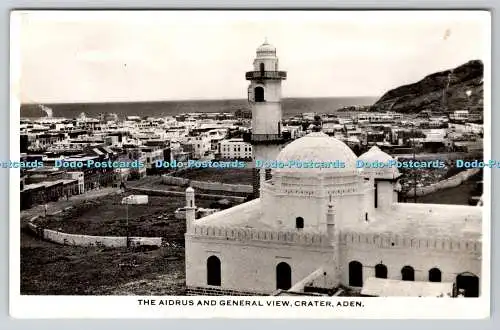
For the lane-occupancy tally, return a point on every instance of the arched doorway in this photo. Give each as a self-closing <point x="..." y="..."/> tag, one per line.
<point x="261" y="67"/>
<point x="213" y="271"/>
<point x="259" y="94"/>
<point x="434" y="275"/>
<point x="469" y="283"/>
<point x="355" y="274"/>
<point x="283" y="276"/>
<point x="380" y="271"/>
<point x="299" y="222"/>
<point x="408" y="273"/>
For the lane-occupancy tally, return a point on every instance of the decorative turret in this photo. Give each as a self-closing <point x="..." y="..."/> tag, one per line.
<point x="382" y="181"/>
<point x="190" y="208"/>
<point x="333" y="269"/>
<point x="330" y="221"/>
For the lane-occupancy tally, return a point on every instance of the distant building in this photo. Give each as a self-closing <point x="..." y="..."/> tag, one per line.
<point x="235" y="149"/>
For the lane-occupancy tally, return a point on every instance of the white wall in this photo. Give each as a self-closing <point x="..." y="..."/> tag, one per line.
<point x="250" y="267"/>
<point x="451" y="263"/>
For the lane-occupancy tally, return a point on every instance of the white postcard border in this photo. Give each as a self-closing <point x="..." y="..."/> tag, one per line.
<point x="22" y="306"/>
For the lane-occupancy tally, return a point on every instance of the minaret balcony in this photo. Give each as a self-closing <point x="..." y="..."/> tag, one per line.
<point x="265" y="75"/>
<point x="265" y="138"/>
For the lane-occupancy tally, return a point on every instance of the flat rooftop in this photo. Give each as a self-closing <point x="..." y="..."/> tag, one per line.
<point x="406" y="219"/>
<point x="423" y="220"/>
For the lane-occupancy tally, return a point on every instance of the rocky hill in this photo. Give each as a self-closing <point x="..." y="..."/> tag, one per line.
<point x="432" y="93"/>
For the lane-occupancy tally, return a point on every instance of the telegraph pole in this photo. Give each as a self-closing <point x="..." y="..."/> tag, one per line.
<point x="126" y="224"/>
<point x="414" y="168"/>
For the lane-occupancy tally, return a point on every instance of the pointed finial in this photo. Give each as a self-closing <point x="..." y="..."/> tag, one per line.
<point x="265" y="41"/>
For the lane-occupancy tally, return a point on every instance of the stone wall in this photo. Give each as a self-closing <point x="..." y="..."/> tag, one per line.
<point x="88" y="240"/>
<point x="451" y="182"/>
<point x="251" y="234"/>
<point x="390" y="241"/>
<point x="156" y="192"/>
<point x="214" y="186"/>
<point x="249" y="257"/>
<point x="250" y="266"/>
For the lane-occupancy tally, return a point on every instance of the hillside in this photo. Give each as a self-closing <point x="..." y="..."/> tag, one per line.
<point x="427" y="94"/>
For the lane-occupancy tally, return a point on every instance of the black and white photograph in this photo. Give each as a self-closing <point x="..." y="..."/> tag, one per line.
<point x="250" y="163"/>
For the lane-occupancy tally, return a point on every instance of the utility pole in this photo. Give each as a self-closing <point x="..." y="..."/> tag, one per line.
<point x="126" y="224"/>
<point x="414" y="168"/>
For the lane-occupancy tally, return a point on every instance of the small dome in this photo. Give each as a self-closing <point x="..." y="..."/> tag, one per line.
<point x="375" y="155"/>
<point x="317" y="147"/>
<point x="190" y="190"/>
<point x="266" y="49"/>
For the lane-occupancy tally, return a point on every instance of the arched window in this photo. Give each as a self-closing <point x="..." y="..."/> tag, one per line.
<point x="468" y="284"/>
<point x="408" y="273"/>
<point x="299" y="222"/>
<point x="380" y="271"/>
<point x="259" y="94"/>
<point x="355" y="274"/>
<point x="434" y="275"/>
<point x="283" y="276"/>
<point x="213" y="271"/>
<point x="262" y="68"/>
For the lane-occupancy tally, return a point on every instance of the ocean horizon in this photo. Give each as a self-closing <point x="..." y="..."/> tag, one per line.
<point x="291" y="107"/>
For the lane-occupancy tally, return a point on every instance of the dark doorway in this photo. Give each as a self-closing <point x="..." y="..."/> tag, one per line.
<point x="380" y="271"/>
<point x="469" y="283"/>
<point x="213" y="271"/>
<point x="283" y="276"/>
<point x="355" y="274"/>
<point x="434" y="275"/>
<point x="408" y="273"/>
<point x="262" y="68"/>
<point x="259" y="94"/>
<point x="299" y="222"/>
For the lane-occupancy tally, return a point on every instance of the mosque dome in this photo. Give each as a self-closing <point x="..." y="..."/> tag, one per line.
<point x="317" y="147"/>
<point x="266" y="49"/>
<point x="375" y="155"/>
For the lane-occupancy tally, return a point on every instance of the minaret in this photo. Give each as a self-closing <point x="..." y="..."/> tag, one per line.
<point x="190" y="209"/>
<point x="264" y="96"/>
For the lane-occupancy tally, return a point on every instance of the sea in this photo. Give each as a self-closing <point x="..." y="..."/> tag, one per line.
<point x="290" y="106"/>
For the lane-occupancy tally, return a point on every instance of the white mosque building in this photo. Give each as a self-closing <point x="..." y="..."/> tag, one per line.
<point x="315" y="230"/>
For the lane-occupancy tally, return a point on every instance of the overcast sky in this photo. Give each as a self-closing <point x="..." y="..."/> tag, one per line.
<point x="142" y="56"/>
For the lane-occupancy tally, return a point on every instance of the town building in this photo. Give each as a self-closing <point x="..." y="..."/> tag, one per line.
<point x="235" y="149"/>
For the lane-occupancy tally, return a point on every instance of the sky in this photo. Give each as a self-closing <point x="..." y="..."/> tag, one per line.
<point x="152" y="56"/>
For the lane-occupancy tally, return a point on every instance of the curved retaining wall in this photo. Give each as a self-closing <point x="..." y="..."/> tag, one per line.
<point x="156" y="192"/>
<point x="88" y="240"/>
<point x="451" y="182"/>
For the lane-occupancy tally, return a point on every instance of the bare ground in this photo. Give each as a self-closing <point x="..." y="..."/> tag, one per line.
<point x="51" y="269"/>
<point x="222" y="175"/>
<point x="108" y="217"/>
